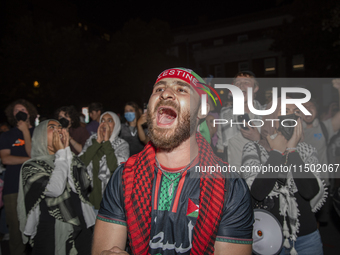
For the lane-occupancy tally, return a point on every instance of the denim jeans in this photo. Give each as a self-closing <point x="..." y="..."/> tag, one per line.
<point x="306" y="245"/>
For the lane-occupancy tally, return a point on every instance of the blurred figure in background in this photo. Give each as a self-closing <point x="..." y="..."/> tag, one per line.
<point x="53" y="206"/>
<point x="15" y="149"/>
<point x="212" y="130"/>
<point x="103" y="153"/>
<point x="291" y="196"/>
<point x="330" y="111"/>
<point x="319" y="133"/>
<point x="69" y="119"/>
<point x="142" y="126"/>
<point x="95" y="111"/>
<point x="129" y="130"/>
<point x="232" y="138"/>
<point x="4" y="127"/>
<point x="82" y="120"/>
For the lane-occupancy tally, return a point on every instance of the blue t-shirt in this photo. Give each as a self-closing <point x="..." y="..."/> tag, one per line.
<point x="14" y="141"/>
<point x="172" y="233"/>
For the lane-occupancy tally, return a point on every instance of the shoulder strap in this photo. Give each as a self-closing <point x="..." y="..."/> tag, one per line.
<point x="258" y="151"/>
<point x="324" y="130"/>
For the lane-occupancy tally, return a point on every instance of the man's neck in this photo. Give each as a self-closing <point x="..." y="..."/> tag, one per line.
<point x="180" y="156"/>
<point x="309" y="125"/>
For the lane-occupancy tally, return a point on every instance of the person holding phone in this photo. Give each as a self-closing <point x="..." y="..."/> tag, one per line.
<point x="15" y="149"/>
<point x="231" y="139"/>
<point x="291" y="196"/>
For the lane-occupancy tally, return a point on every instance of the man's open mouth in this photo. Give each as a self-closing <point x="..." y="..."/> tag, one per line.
<point x="166" y="116"/>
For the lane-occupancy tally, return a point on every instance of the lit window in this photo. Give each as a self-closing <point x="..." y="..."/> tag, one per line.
<point x="36" y="84"/>
<point x="85" y="27"/>
<point x="79" y="24"/>
<point x="298" y="62"/>
<point x="270" y="66"/>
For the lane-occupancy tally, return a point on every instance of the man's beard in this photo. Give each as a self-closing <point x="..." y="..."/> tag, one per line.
<point x="170" y="138"/>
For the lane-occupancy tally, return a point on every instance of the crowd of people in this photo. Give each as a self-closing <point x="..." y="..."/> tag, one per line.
<point x="109" y="187"/>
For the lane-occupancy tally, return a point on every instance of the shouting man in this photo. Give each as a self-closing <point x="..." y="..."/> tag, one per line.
<point x="157" y="200"/>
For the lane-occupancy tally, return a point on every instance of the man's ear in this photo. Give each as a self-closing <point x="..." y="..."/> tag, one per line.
<point x="256" y="88"/>
<point x="200" y="115"/>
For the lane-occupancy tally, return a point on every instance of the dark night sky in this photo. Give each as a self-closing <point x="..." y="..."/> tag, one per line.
<point x="113" y="14"/>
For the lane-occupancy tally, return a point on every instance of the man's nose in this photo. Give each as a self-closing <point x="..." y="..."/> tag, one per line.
<point x="168" y="93"/>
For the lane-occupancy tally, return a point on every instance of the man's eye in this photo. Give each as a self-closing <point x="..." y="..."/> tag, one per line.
<point x="159" y="90"/>
<point x="181" y="90"/>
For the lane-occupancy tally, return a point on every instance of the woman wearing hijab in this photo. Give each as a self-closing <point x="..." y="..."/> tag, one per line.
<point x="54" y="211"/>
<point x="292" y="197"/>
<point x="102" y="153"/>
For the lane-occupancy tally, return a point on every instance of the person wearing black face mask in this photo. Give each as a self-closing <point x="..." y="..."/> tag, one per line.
<point x="15" y="149"/>
<point x="292" y="197"/>
<point x="69" y="119"/>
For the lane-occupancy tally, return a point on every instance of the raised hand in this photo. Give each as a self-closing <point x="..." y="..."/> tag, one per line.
<point x="251" y="133"/>
<point x="65" y="137"/>
<point x="336" y="83"/>
<point x="292" y="143"/>
<point x="22" y="125"/>
<point x="278" y="143"/>
<point x="56" y="141"/>
<point x="142" y="119"/>
<point x="100" y="136"/>
<point x="106" y="131"/>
